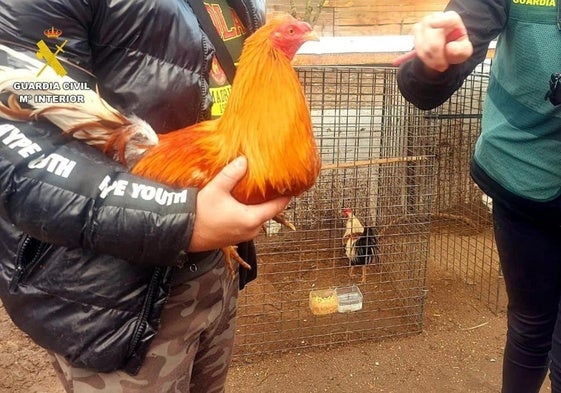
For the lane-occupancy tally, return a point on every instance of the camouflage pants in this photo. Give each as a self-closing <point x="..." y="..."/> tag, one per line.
<point x="190" y="354"/>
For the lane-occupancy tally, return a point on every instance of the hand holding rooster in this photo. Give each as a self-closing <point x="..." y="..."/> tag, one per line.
<point x="267" y="120"/>
<point x="236" y="222"/>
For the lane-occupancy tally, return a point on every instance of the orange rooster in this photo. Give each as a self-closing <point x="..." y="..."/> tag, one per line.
<point x="267" y="120"/>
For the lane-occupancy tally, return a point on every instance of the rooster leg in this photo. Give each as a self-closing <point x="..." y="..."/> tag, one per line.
<point x="231" y="255"/>
<point x="264" y="228"/>
<point x="281" y="219"/>
<point x="352" y="271"/>
<point x="363" y="279"/>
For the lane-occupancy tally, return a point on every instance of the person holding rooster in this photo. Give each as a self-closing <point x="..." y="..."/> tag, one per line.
<point x="119" y="277"/>
<point x="517" y="160"/>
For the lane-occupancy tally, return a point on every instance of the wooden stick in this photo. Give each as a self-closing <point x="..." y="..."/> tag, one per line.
<point x="376" y="161"/>
<point x="475" y="327"/>
<point x="431" y="216"/>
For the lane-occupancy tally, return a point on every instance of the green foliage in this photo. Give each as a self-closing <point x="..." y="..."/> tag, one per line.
<point x="311" y="12"/>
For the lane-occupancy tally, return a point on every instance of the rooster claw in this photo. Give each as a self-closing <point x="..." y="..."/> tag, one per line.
<point x="281" y="219"/>
<point x="231" y="255"/>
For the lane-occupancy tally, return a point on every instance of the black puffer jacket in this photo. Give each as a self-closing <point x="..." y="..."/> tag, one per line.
<point x="85" y="269"/>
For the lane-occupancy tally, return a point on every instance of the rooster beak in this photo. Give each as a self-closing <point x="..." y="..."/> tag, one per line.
<point x="311" y="36"/>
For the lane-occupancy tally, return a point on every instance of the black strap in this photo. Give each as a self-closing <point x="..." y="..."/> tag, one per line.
<point x="222" y="53"/>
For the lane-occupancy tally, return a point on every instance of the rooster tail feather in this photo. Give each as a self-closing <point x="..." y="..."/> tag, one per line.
<point x="12" y="110"/>
<point x="82" y="112"/>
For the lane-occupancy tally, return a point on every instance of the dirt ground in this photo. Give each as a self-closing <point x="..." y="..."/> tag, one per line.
<point x="460" y="350"/>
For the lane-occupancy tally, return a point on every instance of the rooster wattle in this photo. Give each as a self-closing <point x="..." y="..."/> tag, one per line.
<point x="267" y="120"/>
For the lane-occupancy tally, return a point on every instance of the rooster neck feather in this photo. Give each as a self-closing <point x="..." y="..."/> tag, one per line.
<point x="276" y="126"/>
<point x="353" y="229"/>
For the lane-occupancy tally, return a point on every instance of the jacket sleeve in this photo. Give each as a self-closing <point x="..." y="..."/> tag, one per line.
<point x="484" y="20"/>
<point x="61" y="191"/>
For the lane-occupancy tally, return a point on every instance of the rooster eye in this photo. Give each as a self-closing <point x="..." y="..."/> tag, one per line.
<point x="291" y="31"/>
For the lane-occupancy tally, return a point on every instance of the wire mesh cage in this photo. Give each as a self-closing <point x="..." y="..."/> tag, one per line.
<point x="378" y="155"/>
<point x="462" y="239"/>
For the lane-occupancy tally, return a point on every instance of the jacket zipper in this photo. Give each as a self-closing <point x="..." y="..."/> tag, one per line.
<point x="22" y="268"/>
<point x="146" y="308"/>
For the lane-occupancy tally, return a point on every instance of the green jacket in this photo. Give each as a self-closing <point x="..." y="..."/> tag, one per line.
<point x="519" y="148"/>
